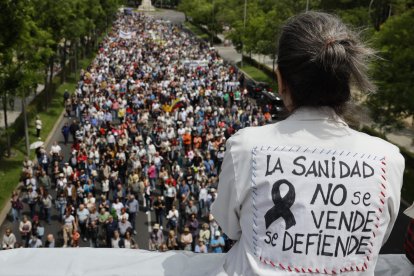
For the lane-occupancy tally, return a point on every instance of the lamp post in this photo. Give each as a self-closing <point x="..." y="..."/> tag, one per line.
<point x="244" y="29"/>
<point x="212" y="25"/>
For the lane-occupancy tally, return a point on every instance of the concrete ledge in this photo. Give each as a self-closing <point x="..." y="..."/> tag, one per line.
<point x="111" y="261"/>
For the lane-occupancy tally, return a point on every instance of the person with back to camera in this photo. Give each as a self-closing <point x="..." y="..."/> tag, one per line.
<point x="310" y="195"/>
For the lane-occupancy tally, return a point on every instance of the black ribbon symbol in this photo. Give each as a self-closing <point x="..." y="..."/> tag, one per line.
<point x="282" y="205"/>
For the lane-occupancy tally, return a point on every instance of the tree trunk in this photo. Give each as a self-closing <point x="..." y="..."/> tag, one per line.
<point x="94" y="45"/>
<point x="6" y="125"/>
<point x="92" y="41"/>
<point x="26" y="128"/>
<point x="46" y="88"/>
<point x="76" y="60"/>
<point x="51" y="69"/>
<point x="90" y="44"/>
<point x="83" y="42"/>
<point x="63" y="63"/>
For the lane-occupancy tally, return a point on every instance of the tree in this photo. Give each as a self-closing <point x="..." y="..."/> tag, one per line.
<point x="264" y="18"/>
<point x="395" y="71"/>
<point x="28" y="56"/>
<point x="186" y="6"/>
<point x="95" y="23"/>
<point x="51" y="16"/>
<point x="11" y="24"/>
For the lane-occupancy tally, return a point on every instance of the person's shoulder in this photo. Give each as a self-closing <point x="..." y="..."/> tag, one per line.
<point x="249" y="135"/>
<point x="371" y="144"/>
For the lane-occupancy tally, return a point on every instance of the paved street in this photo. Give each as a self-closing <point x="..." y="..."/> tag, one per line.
<point x="171" y="15"/>
<point x="55" y="227"/>
<point x="394" y="244"/>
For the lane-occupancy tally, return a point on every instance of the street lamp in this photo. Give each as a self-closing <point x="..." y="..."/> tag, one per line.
<point x="244" y="29"/>
<point x="212" y="26"/>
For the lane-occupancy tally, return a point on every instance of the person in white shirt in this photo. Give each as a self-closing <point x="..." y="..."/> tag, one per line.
<point x="117" y="205"/>
<point x="68" y="226"/>
<point x="9" y="239"/>
<point x="38" y="124"/>
<point x="202" y="199"/>
<point x="61" y="182"/>
<point x="180" y="130"/>
<point x="55" y="148"/>
<point x="115" y="239"/>
<point x="172" y="218"/>
<point x="309" y="194"/>
<point x="35" y="242"/>
<point x="67" y="170"/>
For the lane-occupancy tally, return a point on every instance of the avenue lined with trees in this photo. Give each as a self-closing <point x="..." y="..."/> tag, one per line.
<point x="40" y="37"/>
<point x="37" y="38"/>
<point x="253" y="27"/>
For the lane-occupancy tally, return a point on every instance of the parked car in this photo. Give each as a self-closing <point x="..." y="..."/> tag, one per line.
<point x="254" y="88"/>
<point x="272" y="103"/>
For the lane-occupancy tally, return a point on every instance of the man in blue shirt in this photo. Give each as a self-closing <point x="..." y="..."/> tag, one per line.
<point x="217" y="243"/>
<point x="82" y="216"/>
<point x="132" y="206"/>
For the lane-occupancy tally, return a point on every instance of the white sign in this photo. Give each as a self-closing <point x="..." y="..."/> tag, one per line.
<point x="125" y="35"/>
<point x="317" y="210"/>
<point x="195" y="63"/>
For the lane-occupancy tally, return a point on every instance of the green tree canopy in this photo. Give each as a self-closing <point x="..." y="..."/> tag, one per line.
<point x="394" y="73"/>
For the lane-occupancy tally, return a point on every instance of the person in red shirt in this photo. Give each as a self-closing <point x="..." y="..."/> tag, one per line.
<point x="197" y="141"/>
<point x="75" y="238"/>
<point x="82" y="158"/>
<point x="171" y="181"/>
<point x="187" y="140"/>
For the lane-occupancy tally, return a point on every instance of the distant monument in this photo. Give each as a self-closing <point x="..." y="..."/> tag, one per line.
<point x="146" y="6"/>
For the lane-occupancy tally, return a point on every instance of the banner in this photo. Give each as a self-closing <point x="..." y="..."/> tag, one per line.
<point x="195" y="63"/>
<point x="125" y="35"/>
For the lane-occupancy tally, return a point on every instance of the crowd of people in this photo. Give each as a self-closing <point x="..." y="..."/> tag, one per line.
<point x="147" y="127"/>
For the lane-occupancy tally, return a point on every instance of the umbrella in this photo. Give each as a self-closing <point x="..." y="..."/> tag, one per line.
<point x="36" y="145"/>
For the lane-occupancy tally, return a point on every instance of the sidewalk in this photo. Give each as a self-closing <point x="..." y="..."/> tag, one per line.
<point x="12" y="115"/>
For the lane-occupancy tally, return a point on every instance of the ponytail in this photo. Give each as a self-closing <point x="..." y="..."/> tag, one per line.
<point x="320" y="59"/>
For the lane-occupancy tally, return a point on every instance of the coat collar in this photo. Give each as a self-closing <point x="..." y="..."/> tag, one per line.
<point x="323" y="113"/>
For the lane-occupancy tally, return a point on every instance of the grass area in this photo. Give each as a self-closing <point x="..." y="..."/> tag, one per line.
<point x="9" y="175"/>
<point x="196" y="30"/>
<point x="10" y="168"/>
<point x="156" y="10"/>
<point x="258" y="75"/>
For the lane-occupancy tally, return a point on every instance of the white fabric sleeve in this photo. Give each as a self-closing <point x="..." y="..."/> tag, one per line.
<point x="395" y="175"/>
<point x="226" y="207"/>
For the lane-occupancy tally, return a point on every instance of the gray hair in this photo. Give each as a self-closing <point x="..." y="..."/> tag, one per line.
<point x="320" y="58"/>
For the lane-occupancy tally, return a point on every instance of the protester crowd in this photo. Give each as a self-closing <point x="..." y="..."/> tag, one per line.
<point x="147" y="131"/>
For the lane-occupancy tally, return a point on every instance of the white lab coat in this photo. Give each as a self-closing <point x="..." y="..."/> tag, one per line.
<point x="300" y="194"/>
